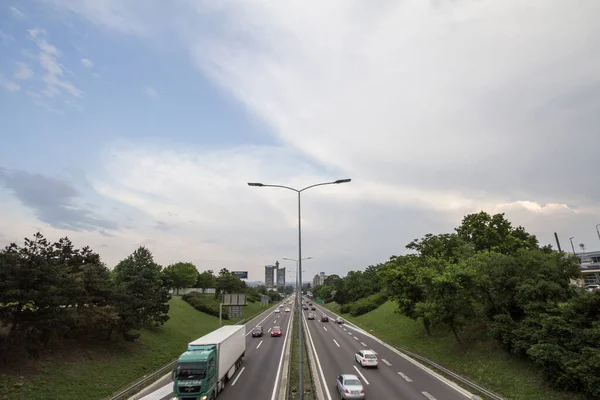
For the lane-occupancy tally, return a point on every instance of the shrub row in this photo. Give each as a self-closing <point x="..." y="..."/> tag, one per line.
<point x="205" y="304"/>
<point x="364" y="305"/>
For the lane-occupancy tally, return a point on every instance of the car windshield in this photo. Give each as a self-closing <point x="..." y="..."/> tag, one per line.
<point x="352" y="382"/>
<point x="276" y="328"/>
<point x="191" y="370"/>
<point x="257" y="329"/>
<point x="370" y="356"/>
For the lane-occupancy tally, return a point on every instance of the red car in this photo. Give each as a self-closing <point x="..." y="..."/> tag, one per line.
<point x="324" y="318"/>
<point x="276" y="331"/>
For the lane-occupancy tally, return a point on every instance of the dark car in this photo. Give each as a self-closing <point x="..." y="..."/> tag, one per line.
<point x="313" y="308"/>
<point x="276" y="331"/>
<point x="305" y="307"/>
<point x="257" y="331"/>
<point x="324" y="318"/>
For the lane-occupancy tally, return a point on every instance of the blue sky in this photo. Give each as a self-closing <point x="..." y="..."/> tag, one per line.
<point x="127" y="126"/>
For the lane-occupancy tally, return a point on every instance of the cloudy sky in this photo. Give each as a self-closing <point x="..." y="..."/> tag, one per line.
<point x="125" y="125"/>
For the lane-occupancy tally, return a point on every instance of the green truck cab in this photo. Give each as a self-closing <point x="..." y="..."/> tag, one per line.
<point x="208" y="363"/>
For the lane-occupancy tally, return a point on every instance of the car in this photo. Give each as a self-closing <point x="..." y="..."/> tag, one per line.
<point x="287" y="309"/>
<point x="349" y="387"/>
<point x="257" y="331"/>
<point x="305" y="307"/>
<point x="313" y="308"/>
<point x="366" y="358"/>
<point x="339" y="320"/>
<point x="275" y="331"/>
<point x="310" y="316"/>
<point x="324" y="318"/>
<point x="277" y="310"/>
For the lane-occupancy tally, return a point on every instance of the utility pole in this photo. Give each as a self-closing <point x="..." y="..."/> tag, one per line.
<point x="573" y="247"/>
<point x="557" y="242"/>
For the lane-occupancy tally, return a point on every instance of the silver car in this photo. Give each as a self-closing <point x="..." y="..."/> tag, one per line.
<point x="350" y="387"/>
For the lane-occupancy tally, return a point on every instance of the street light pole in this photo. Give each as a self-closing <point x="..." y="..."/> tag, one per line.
<point x="299" y="269"/>
<point x="598" y="230"/>
<point x="573" y="247"/>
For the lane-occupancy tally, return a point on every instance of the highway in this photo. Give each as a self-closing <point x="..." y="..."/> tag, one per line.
<point x="395" y="378"/>
<point x="260" y="375"/>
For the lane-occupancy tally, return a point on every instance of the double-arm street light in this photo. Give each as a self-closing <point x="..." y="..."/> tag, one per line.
<point x="299" y="268"/>
<point x="298" y="285"/>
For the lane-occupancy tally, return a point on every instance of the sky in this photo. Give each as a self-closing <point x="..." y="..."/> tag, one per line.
<point x="125" y="125"/>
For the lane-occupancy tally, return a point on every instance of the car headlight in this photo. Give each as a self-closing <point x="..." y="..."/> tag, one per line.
<point x="203" y="398"/>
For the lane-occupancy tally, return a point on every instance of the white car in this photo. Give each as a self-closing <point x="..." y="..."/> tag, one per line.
<point x="366" y="358"/>
<point x="287" y="309"/>
<point x="277" y="310"/>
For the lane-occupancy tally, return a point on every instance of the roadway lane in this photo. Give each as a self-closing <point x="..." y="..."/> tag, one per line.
<point x="261" y="365"/>
<point x="396" y="377"/>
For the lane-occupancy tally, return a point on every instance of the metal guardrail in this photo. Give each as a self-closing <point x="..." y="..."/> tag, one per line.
<point x="134" y="388"/>
<point x="446" y="371"/>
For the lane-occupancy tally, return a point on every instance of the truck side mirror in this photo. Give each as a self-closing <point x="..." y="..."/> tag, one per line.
<point x="173" y="375"/>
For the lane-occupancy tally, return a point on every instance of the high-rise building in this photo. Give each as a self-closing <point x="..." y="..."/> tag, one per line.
<point x="319" y="279"/>
<point x="281" y="278"/>
<point x="270" y="276"/>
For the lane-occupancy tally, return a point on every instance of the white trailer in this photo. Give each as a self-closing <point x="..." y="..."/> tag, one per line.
<point x="230" y="341"/>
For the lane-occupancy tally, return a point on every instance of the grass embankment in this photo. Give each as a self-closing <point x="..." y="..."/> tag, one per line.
<point x="480" y="360"/>
<point x="96" y="370"/>
<point x="294" y="367"/>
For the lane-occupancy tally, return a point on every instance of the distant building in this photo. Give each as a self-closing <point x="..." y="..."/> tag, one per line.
<point x="590" y="267"/>
<point x="319" y="279"/>
<point x="270" y="276"/>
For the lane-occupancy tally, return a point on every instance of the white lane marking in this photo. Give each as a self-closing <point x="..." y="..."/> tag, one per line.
<point x="325" y="329"/>
<point x="274" y="322"/>
<point x="349" y="333"/>
<point x="406" y="378"/>
<point x="334" y="341"/>
<point x="259" y="344"/>
<point x="363" y="343"/>
<point x="263" y="320"/>
<point x="386" y="362"/>
<point x="238" y="376"/>
<point x="287" y="335"/>
<point x="430" y="397"/>
<point x="323" y="381"/>
<point x="158" y="394"/>
<point x="430" y="371"/>
<point x="345" y="330"/>
<point x="361" y="375"/>
<point x="355" y="338"/>
<point x="269" y="330"/>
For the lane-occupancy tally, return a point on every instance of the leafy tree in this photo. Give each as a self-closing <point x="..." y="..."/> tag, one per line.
<point x="334" y="280"/>
<point x="227" y="282"/>
<point x="206" y="280"/>
<point x="181" y="275"/>
<point x="447" y="246"/>
<point x="142" y="294"/>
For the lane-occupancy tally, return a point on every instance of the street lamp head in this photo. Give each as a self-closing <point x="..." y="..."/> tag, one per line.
<point x="342" y="181"/>
<point x="255" y="184"/>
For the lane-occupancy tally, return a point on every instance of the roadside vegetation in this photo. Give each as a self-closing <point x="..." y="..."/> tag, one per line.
<point x="77" y="329"/>
<point x="487" y="302"/>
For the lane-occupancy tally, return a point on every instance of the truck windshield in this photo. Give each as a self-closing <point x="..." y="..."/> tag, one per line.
<point x="191" y="370"/>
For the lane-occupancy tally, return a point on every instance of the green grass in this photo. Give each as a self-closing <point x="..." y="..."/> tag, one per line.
<point x="97" y="370"/>
<point x="294" y="368"/>
<point x="481" y="360"/>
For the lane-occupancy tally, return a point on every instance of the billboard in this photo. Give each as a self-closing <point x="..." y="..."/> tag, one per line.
<point x="281" y="277"/>
<point x="269" y="276"/>
<point x="322" y="273"/>
<point x="240" y="274"/>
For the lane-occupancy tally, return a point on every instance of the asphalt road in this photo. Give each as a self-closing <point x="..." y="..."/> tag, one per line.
<point x="395" y="378"/>
<point x="261" y="365"/>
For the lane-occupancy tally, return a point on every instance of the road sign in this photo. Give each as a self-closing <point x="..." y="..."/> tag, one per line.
<point x="235" y="311"/>
<point x="234" y="299"/>
<point x="240" y="274"/>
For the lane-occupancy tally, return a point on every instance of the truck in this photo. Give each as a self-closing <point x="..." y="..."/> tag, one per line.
<point x="208" y="363"/>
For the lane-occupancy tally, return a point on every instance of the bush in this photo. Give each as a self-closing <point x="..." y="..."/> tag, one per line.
<point x="205" y="304"/>
<point x="364" y="305"/>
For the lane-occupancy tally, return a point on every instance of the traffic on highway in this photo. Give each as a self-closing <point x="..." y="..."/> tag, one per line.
<point x="266" y="336"/>
<point x="346" y="354"/>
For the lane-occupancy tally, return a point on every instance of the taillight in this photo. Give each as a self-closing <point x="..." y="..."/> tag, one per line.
<point x="376" y="359"/>
<point x="362" y="391"/>
<point x="347" y="391"/>
<point x="364" y="360"/>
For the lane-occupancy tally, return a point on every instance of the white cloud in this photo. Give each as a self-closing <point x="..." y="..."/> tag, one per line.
<point x="435" y="109"/>
<point x="150" y="92"/>
<point x="17" y="13"/>
<point x="23" y="72"/>
<point x="9" y="85"/>
<point x="87" y="62"/>
<point x="54" y="76"/>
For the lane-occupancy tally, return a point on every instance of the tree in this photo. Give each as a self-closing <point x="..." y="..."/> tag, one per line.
<point x="143" y="295"/>
<point x="181" y="275"/>
<point x="447" y="246"/>
<point x="206" y="280"/>
<point x="227" y="282"/>
<point x="334" y="280"/>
